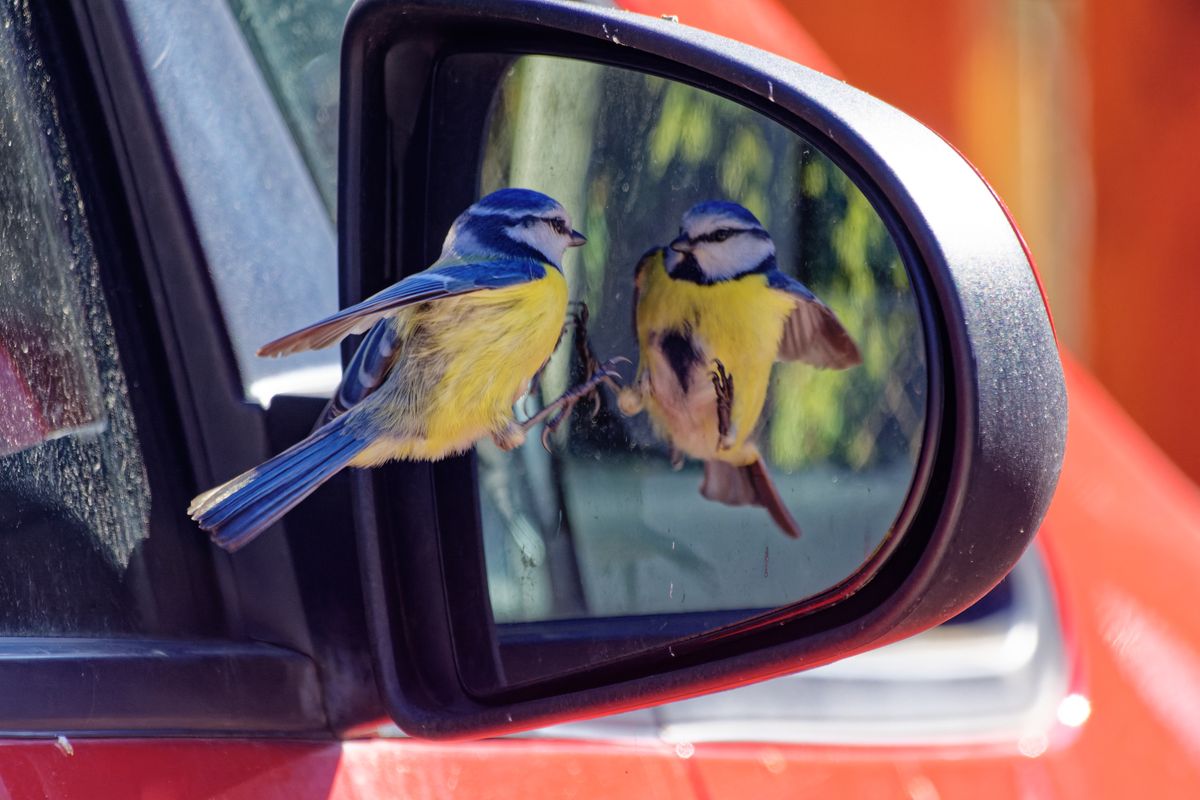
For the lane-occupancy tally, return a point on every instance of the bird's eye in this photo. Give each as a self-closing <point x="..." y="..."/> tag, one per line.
<point x="560" y="227"/>
<point x="721" y="235"/>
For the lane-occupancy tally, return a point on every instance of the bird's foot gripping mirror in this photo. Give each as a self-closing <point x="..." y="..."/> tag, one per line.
<point x="839" y="414"/>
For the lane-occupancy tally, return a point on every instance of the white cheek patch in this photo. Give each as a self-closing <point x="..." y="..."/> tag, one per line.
<point x="732" y="257"/>
<point x="540" y="237"/>
<point x="707" y="223"/>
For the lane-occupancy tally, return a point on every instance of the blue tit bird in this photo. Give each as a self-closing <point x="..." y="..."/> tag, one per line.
<point x="447" y="353"/>
<point x="710" y="311"/>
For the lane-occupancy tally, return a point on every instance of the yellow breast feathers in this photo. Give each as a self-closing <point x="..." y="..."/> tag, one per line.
<point x="685" y="327"/>
<point x="463" y="362"/>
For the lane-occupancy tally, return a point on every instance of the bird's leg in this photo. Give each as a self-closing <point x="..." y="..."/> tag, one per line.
<point x="512" y="437"/>
<point x="572" y="318"/>
<point x="583" y="348"/>
<point x="535" y="383"/>
<point x="577" y="316"/>
<point x="723" y="384"/>
<point x="583" y="345"/>
<point x="554" y="413"/>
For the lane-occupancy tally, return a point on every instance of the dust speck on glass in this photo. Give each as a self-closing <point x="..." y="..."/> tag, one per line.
<point x="74" y="496"/>
<point x="604" y="525"/>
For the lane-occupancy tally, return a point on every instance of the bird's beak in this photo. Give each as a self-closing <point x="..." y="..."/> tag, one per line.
<point x="680" y="244"/>
<point x="577" y="239"/>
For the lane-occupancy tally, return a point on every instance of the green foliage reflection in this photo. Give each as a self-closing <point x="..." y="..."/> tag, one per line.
<point x="651" y="148"/>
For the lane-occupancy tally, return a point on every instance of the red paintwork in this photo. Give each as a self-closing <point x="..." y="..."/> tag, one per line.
<point x="1123" y="542"/>
<point x="763" y="23"/>
<point x="1123" y="537"/>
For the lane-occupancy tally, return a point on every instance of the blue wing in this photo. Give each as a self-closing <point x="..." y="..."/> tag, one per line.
<point x="433" y="283"/>
<point x="813" y="334"/>
<point x="366" y="370"/>
<point x="239" y="510"/>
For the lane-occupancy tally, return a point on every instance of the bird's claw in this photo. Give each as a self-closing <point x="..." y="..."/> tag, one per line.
<point x="512" y="437"/>
<point x="723" y="385"/>
<point x="554" y="414"/>
<point x="545" y="437"/>
<point x="583" y="348"/>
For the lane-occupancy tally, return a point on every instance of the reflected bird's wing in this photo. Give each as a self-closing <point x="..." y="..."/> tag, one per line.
<point x="629" y="398"/>
<point x="432" y="284"/>
<point x="644" y="263"/>
<point x="813" y="334"/>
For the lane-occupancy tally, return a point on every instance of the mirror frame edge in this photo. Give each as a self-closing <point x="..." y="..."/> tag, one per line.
<point x="969" y="280"/>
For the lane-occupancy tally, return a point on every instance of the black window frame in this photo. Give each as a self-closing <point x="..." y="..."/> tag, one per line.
<point x="294" y="660"/>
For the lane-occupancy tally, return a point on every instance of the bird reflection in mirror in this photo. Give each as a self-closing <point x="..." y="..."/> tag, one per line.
<point x="713" y="313"/>
<point x="446" y="355"/>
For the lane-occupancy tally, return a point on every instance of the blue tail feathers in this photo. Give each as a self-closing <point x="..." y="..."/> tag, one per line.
<point x="237" y="511"/>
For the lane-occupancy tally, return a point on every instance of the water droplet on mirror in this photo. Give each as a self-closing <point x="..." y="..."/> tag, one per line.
<point x="774" y="761"/>
<point x="1032" y="745"/>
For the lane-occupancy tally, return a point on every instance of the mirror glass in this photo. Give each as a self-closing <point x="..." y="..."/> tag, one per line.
<point x="817" y="357"/>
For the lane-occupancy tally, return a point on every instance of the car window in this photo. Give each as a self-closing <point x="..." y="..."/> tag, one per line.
<point x="78" y="553"/>
<point x="264" y="230"/>
<point x="296" y="42"/>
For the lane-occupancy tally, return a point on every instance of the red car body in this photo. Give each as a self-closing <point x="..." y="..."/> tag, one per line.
<point x="1122" y="540"/>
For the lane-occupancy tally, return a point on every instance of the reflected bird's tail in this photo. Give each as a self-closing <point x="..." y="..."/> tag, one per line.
<point x="235" y="512"/>
<point x="750" y="485"/>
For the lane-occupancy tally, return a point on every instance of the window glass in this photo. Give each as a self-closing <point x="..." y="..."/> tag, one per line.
<point x="75" y="505"/>
<point x="269" y="241"/>
<point x="296" y="43"/>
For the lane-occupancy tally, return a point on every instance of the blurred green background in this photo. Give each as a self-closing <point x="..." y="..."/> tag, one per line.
<point x="629" y="169"/>
<point x="604" y="525"/>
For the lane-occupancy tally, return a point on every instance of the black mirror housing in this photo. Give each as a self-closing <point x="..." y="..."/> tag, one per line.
<point x="996" y="424"/>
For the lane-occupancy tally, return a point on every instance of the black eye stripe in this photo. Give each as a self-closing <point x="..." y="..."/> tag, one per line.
<point x="557" y="223"/>
<point x="721" y="234"/>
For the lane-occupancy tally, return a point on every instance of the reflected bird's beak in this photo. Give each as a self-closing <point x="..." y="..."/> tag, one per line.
<point x="680" y="244"/>
<point x="577" y="239"/>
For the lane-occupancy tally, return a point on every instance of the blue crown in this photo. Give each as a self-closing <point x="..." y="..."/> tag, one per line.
<point x="723" y="208"/>
<point x="525" y="200"/>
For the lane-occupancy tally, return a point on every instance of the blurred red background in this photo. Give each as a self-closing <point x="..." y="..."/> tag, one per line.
<point x="1085" y="116"/>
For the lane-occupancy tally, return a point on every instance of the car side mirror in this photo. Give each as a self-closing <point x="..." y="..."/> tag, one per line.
<point x="911" y="431"/>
